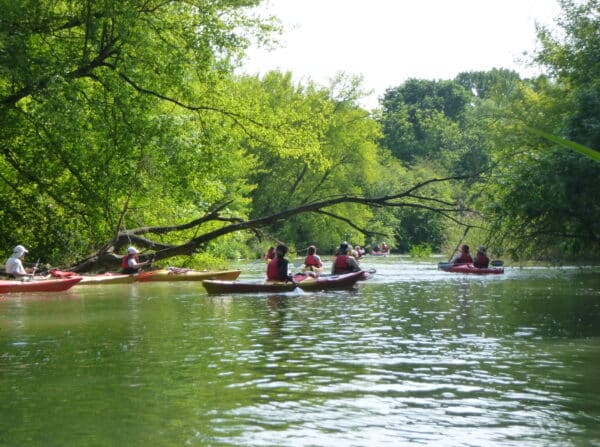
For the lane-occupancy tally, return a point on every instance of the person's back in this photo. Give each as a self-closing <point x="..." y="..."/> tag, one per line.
<point x="344" y="263"/>
<point x="277" y="269"/>
<point x="312" y="260"/>
<point x="464" y="257"/>
<point x="481" y="259"/>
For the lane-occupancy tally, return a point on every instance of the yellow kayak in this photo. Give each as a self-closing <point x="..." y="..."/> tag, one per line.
<point x="107" y="278"/>
<point x="180" y="274"/>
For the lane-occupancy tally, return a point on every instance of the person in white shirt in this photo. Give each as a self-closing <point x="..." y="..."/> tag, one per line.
<point x="14" y="265"/>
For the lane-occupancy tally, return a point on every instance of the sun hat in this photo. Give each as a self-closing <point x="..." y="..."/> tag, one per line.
<point x="132" y="251"/>
<point x="19" y="250"/>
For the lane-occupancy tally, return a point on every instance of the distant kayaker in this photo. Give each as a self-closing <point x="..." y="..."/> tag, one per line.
<point x="342" y="262"/>
<point x="481" y="260"/>
<point x="277" y="270"/>
<point x="130" y="263"/>
<point x="313" y="262"/>
<point x="14" y="265"/>
<point x="464" y="257"/>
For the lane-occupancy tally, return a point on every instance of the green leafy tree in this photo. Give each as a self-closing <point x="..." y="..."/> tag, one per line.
<point x="117" y="113"/>
<point x="544" y="200"/>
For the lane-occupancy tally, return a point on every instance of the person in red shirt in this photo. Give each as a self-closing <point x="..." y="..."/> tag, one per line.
<point x="270" y="254"/>
<point x="342" y="262"/>
<point x="277" y="269"/>
<point x="464" y="257"/>
<point x="481" y="260"/>
<point x="312" y="262"/>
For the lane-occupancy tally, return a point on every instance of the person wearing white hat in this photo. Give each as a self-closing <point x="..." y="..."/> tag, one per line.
<point x="130" y="262"/>
<point x="14" y="265"/>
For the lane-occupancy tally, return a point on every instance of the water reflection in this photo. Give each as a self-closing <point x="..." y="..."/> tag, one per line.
<point x="413" y="356"/>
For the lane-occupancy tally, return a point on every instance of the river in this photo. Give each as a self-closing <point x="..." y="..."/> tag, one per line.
<point x="413" y="356"/>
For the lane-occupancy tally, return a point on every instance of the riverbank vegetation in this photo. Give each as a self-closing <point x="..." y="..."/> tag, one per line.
<point x="125" y="122"/>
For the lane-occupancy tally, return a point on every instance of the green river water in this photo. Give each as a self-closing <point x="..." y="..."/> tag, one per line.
<point x="413" y="356"/>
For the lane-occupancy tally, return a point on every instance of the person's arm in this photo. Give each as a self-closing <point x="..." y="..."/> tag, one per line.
<point x="353" y="264"/>
<point x="132" y="263"/>
<point x="283" y="271"/>
<point x="282" y="267"/>
<point x="21" y="272"/>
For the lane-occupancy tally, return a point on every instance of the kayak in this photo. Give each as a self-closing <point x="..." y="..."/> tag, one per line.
<point x="379" y="253"/>
<point x="38" y="285"/>
<point x="107" y="278"/>
<point x="103" y="278"/>
<point x="304" y="281"/>
<point x="469" y="268"/>
<point x="179" y="274"/>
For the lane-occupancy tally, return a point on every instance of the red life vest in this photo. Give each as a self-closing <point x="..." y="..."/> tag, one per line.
<point x="125" y="261"/>
<point x="465" y="258"/>
<point x="312" y="261"/>
<point x="481" y="261"/>
<point x="341" y="264"/>
<point x="273" y="270"/>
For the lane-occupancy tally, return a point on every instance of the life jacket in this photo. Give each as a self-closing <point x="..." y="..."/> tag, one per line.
<point x="341" y="264"/>
<point x="481" y="261"/>
<point x="125" y="261"/>
<point x="312" y="260"/>
<point x="465" y="258"/>
<point x="273" y="270"/>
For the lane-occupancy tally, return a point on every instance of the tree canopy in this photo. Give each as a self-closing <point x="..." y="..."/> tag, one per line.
<point x="124" y="122"/>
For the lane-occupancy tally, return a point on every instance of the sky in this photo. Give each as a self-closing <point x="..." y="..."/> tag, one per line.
<point x="389" y="41"/>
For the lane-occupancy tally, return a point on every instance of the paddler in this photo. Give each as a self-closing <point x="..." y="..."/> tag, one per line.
<point x="131" y="264"/>
<point x="277" y="269"/>
<point x="14" y="265"/>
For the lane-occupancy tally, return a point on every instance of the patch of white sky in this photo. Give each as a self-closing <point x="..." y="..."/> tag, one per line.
<point x="389" y="41"/>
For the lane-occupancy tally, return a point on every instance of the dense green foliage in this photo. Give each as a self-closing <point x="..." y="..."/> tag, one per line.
<point x="543" y="201"/>
<point x="123" y="114"/>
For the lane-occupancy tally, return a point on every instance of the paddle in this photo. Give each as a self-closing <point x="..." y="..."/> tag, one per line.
<point x="460" y="242"/>
<point x="30" y="278"/>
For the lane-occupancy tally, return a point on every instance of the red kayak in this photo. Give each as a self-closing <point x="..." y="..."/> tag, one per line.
<point x="470" y="269"/>
<point x="38" y="285"/>
<point x="304" y="281"/>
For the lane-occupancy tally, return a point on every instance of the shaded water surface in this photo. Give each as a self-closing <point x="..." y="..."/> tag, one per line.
<point x="414" y="356"/>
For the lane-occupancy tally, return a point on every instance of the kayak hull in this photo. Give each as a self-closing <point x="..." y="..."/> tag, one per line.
<point x="107" y="278"/>
<point x="43" y="285"/>
<point x="304" y="282"/>
<point x="187" y="275"/>
<point x="470" y="269"/>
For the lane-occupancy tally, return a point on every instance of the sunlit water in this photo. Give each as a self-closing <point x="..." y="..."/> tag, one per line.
<point x="414" y="356"/>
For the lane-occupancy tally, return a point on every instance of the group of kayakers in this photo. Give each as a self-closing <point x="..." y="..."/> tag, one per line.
<point x="345" y="261"/>
<point x="14" y="268"/>
<point x="481" y="259"/>
<point x="277" y="266"/>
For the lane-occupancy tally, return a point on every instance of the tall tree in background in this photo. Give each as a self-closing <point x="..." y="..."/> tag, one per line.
<point x="107" y="107"/>
<point x="543" y="200"/>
